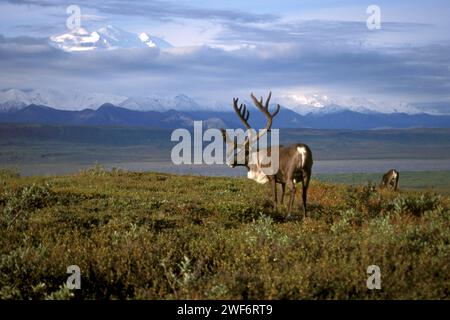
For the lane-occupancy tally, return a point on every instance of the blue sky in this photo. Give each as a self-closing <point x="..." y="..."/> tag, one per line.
<point x="229" y="48"/>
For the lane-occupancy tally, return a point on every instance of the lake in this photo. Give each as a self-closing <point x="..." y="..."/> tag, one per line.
<point x="319" y="167"/>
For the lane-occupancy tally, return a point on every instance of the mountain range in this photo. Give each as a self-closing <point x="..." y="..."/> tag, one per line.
<point x="80" y="108"/>
<point x="111" y="115"/>
<point x="105" y="38"/>
<point x="15" y="99"/>
<point x="75" y="99"/>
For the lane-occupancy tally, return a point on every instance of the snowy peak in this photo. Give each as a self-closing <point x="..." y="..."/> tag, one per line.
<point x="180" y="102"/>
<point x="324" y="104"/>
<point x="146" y="103"/>
<point x="77" y="40"/>
<point x="113" y="38"/>
<point x="106" y="38"/>
<point x="152" y="41"/>
<point x="13" y="99"/>
<point x="183" y="101"/>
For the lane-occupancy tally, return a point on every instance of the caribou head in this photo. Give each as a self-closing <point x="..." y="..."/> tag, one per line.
<point x="245" y="152"/>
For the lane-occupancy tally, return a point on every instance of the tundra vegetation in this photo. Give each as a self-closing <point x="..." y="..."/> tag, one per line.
<point x="158" y="236"/>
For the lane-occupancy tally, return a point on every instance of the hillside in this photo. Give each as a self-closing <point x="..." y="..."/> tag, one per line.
<point x="111" y="115"/>
<point x="155" y="236"/>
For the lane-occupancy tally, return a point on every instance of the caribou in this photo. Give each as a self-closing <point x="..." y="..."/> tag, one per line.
<point x="294" y="161"/>
<point x="390" y="179"/>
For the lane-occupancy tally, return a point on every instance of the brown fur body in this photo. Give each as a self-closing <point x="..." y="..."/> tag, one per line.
<point x="390" y="179"/>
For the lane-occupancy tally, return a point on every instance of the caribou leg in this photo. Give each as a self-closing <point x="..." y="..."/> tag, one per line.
<point x="291" y="187"/>
<point x="305" y="185"/>
<point x="273" y="184"/>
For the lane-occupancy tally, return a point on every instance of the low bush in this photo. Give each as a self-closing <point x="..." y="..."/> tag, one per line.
<point x="155" y="236"/>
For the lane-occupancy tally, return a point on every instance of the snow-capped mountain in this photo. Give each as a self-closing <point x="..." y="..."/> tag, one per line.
<point x="105" y="38"/>
<point x="13" y="99"/>
<point x="80" y="108"/>
<point x="152" y="41"/>
<point x="325" y="104"/>
<point x="146" y="103"/>
<point x="180" y="102"/>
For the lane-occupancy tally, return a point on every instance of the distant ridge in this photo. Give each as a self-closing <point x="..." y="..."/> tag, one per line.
<point x="110" y="115"/>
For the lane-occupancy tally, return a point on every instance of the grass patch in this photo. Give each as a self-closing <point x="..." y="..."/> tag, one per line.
<point x="160" y="236"/>
<point x="433" y="181"/>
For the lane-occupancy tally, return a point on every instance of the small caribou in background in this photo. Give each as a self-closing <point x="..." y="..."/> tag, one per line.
<point x="295" y="161"/>
<point x="390" y="180"/>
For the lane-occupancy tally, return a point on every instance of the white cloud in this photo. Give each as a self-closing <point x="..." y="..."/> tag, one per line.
<point x="226" y="52"/>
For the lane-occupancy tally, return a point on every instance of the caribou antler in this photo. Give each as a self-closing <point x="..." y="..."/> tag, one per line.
<point x="265" y="110"/>
<point x="242" y="112"/>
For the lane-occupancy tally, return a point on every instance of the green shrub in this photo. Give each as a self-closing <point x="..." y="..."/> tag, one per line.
<point x="361" y="199"/>
<point x="262" y="231"/>
<point x="137" y="236"/>
<point x="22" y="202"/>
<point x="346" y="219"/>
<point x="63" y="293"/>
<point x="416" y="205"/>
<point x="9" y="173"/>
<point x="99" y="170"/>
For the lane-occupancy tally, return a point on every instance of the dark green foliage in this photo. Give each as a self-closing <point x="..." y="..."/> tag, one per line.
<point x="18" y="204"/>
<point x="158" y="236"/>
<point x="416" y="205"/>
